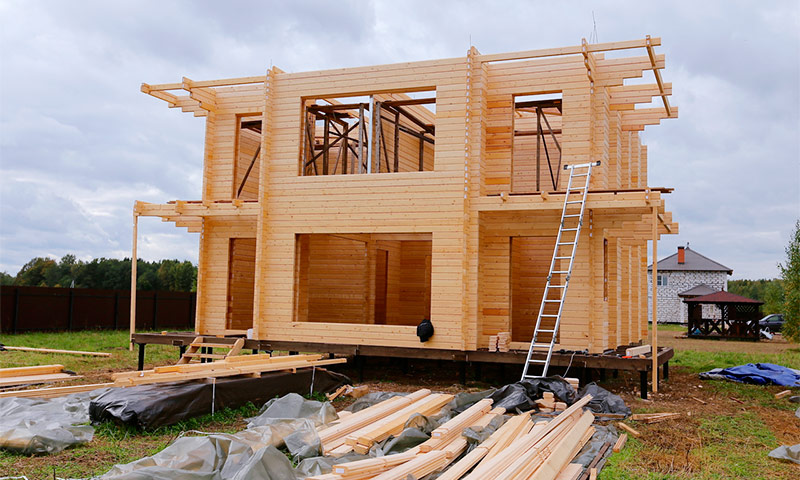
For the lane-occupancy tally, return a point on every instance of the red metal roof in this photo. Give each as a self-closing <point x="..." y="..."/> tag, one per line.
<point x="722" y="297"/>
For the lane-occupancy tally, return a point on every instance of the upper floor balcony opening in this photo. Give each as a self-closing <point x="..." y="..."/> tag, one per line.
<point x="376" y="133"/>
<point x="536" y="163"/>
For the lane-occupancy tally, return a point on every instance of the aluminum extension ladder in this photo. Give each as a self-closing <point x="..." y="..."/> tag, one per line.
<point x="555" y="290"/>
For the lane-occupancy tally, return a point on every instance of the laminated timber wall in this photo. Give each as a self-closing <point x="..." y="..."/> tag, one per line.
<point x="445" y="233"/>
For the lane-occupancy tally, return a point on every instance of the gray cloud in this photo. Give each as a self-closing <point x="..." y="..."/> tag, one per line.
<point x="79" y="142"/>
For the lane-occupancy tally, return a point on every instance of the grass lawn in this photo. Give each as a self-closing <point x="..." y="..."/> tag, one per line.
<point x="108" y="341"/>
<point x="727" y="437"/>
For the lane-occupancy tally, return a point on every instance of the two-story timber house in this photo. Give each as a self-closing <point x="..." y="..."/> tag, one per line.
<point x="342" y="207"/>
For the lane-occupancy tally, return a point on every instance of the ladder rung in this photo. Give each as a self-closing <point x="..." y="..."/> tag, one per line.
<point x="553" y="301"/>
<point x="559" y="271"/>
<point x="566" y="243"/>
<point x="562" y="258"/>
<point x="545" y="331"/>
<point x="569" y="229"/>
<point x="572" y="215"/>
<point x="573" y="201"/>
<point x="537" y="361"/>
<point x="548" y="315"/>
<point x="557" y="286"/>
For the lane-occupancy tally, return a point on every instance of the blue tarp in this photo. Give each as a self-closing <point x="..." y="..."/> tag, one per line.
<point x="757" y="373"/>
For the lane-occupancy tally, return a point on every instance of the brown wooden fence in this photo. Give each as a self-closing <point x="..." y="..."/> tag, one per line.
<point x="29" y="309"/>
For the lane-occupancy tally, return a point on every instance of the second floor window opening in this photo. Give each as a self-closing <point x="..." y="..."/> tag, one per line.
<point x="379" y="133"/>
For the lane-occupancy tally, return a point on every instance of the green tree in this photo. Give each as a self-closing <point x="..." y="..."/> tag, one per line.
<point x="773" y="297"/>
<point x="790" y="273"/>
<point x="35" y="272"/>
<point x="6" y="279"/>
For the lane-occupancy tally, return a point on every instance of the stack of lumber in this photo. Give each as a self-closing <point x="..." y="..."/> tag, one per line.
<point x="32" y="375"/>
<point x="574" y="382"/>
<point x="519" y="449"/>
<point x="548" y="403"/>
<point x="238" y="365"/>
<point x="492" y="343"/>
<point x="500" y="342"/>
<point x="503" y="341"/>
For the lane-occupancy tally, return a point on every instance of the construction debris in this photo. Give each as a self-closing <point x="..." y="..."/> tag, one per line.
<point x="782" y="394"/>
<point x="34" y="375"/>
<point x="339" y="391"/>
<point x="654" y="417"/>
<point x="629" y="429"/>
<point x="356" y="392"/>
<point x="52" y="350"/>
<point x="621" y="441"/>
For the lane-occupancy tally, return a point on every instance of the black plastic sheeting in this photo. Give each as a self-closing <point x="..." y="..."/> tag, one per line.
<point x="522" y="396"/>
<point x="152" y="406"/>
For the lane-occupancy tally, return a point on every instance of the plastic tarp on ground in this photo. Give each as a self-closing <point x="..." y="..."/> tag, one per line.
<point x="251" y="454"/>
<point x="786" y="452"/>
<point x="756" y="373"/>
<point x="152" y="406"/>
<point x="42" y="426"/>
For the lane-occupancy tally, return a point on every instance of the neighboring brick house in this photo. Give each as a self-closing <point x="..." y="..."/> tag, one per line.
<point x="684" y="274"/>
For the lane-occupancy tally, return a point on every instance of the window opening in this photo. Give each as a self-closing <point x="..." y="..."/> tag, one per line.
<point x="379" y="133"/>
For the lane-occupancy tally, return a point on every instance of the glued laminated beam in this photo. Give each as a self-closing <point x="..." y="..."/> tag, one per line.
<point x="576" y="50"/>
<point x="555" y="201"/>
<point x="195" y="210"/>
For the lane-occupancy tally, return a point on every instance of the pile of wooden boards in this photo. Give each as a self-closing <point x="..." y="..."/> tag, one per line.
<point x="500" y="342"/>
<point x="519" y="449"/>
<point x="229" y="366"/>
<point x="33" y="375"/>
<point x="252" y="365"/>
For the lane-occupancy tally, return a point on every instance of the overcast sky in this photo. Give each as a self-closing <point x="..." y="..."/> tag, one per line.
<point x="79" y="142"/>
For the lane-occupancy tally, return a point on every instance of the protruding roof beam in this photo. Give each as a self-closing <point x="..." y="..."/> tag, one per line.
<point x="657" y="72"/>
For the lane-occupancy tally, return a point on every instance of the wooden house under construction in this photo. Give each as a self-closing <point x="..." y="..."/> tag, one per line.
<point x="342" y="207"/>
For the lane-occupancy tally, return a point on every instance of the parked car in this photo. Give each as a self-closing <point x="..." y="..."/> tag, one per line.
<point x="773" y="322"/>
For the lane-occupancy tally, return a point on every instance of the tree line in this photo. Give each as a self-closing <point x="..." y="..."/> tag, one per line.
<point x="105" y="273"/>
<point x="771" y="292"/>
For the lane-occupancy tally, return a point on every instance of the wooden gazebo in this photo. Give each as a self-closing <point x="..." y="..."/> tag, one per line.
<point x="738" y="316"/>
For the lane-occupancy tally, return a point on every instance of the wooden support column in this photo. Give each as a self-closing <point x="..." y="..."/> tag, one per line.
<point x="397" y="141"/>
<point x="326" y="144"/>
<point x="133" y="276"/>
<point x="421" y="151"/>
<point x="654" y="340"/>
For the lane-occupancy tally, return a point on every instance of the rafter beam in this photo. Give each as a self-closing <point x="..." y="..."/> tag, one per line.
<point x="575" y="50"/>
